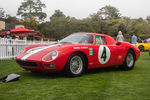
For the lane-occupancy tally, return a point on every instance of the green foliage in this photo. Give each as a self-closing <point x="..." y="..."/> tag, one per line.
<point x="107" y="20"/>
<point x="60" y="26"/>
<point x="32" y="23"/>
<point x="2" y="13"/>
<point x="148" y="18"/>
<point x="32" y="8"/>
<point x="10" y="20"/>
<point x="57" y="13"/>
<point x="97" y="23"/>
<point x="56" y="28"/>
<point x="109" y="12"/>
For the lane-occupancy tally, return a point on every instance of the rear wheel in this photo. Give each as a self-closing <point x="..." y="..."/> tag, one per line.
<point x="141" y="48"/>
<point x="75" y="65"/>
<point x="129" y="61"/>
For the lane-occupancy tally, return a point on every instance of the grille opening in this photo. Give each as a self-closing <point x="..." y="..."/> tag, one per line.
<point x="27" y="63"/>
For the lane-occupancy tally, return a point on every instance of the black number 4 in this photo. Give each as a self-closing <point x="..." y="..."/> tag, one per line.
<point x="104" y="54"/>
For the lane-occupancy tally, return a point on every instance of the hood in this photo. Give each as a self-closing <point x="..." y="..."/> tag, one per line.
<point x="37" y="53"/>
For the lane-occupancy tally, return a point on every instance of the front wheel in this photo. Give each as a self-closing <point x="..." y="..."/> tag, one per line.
<point x="129" y="61"/>
<point x="75" y="65"/>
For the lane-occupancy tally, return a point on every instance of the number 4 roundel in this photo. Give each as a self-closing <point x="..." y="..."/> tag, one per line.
<point x="103" y="54"/>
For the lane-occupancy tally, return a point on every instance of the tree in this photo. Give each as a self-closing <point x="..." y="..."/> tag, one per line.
<point x="57" y="13"/>
<point x="10" y="21"/>
<point x="2" y="13"/>
<point x="32" y="8"/>
<point x="148" y="18"/>
<point x="32" y="23"/>
<point x="98" y="24"/>
<point x="109" y="12"/>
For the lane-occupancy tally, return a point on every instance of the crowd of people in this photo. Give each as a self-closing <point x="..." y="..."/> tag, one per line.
<point x="7" y="35"/>
<point x="134" y="39"/>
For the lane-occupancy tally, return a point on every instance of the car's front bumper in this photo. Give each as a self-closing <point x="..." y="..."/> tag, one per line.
<point x="37" y="66"/>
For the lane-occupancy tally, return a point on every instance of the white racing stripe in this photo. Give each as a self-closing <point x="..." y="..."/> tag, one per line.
<point x="35" y="51"/>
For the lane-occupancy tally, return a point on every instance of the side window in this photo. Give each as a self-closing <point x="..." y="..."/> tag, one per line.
<point x="100" y="40"/>
<point x="104" y="40"/>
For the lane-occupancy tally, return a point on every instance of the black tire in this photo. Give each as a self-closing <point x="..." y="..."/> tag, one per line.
<point x="129" y="61"/>
<point x="141" y="48"/>
<point x="79" y="65"/>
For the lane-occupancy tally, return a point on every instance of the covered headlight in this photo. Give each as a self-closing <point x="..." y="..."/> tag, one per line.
<point x="50" y="56"/>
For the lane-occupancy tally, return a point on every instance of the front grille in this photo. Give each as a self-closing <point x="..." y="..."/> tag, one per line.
<point x="27" y="63"/>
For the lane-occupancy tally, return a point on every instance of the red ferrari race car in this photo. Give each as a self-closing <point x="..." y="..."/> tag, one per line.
<point x="78" y="52"/>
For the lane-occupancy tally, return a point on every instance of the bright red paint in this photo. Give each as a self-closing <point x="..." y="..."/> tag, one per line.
<point x="118" y="52"/>
<point x="22" y="30"/>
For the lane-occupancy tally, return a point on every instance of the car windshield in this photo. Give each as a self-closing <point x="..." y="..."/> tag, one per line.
<point x="78" y="38"/>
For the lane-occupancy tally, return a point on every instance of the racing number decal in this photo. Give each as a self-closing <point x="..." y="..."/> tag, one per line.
<point x="103" y="54"/>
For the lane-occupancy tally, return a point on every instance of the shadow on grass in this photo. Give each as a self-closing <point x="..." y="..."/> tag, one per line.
<point x="42" y="74"/>
<point x="61" y="75"/>
<point x="103" y="70"/>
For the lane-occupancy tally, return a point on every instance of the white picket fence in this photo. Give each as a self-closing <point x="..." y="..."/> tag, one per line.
<point x="10" y="48"/>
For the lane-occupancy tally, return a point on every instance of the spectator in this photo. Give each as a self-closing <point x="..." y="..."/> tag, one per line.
<point x="120" y="37"/>
<point x="148" y="40"/>
<point x="8" y="35"/>
<point x="9" y="48"/>
<point x="134" y="40"/>
<point x="139" y="40"/>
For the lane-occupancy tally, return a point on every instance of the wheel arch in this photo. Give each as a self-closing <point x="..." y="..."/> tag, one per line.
<point x="142" y="46"/>
<point x="131" y="49"/>
<point x="66" y="71"/>
<point x="124" y="66"/>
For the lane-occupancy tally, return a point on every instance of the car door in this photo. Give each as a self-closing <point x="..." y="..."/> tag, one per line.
<point x="104" y="54"/>
<point x="147" y="46"/>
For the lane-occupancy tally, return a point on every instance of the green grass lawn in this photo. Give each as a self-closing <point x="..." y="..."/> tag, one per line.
<point x="98" y="84"/>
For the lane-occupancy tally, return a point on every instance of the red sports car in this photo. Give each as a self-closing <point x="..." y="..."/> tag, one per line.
<point x="78" y="52"/>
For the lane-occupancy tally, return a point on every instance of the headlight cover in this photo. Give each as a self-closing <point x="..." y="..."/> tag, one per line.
<point x="50" y="56"/>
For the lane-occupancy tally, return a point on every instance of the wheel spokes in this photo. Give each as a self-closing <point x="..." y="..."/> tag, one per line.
<point x="130" y="60"/>
<point x="76" y="65"/>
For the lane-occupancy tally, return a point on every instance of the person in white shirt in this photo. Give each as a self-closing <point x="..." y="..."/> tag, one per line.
<point x="120" y="37"/>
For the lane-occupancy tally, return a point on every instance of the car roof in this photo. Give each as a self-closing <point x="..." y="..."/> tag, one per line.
<point x="93" y="33"/>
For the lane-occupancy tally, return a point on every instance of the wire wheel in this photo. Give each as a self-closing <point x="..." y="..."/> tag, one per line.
<point x="76" y="65"/>
<point x="130" y="60"/>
